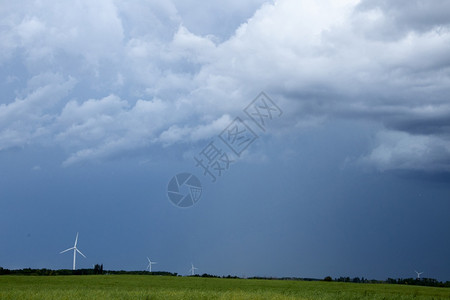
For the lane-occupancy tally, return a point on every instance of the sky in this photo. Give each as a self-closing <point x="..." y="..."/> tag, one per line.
<point x="104" y="102"/>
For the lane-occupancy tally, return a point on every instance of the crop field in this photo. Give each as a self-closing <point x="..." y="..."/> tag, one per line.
<point x="166" y="287"/>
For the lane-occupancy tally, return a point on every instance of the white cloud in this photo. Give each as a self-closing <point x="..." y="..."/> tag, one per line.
<point x="169" y="84"/>
<point x="102" y="128"/>
<point x="397" y="150"/>
<point x="28" y="118"/>
<point x="175" y="133"/>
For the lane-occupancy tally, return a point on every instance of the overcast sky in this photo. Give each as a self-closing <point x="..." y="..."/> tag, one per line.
<point x="103" y="102"/>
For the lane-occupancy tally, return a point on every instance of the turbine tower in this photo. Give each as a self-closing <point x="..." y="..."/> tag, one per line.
<point x="150" y="263"/>
<point x="75" y="250"/>
<point x="192" y="269"/>
<point x="418" y="274"/>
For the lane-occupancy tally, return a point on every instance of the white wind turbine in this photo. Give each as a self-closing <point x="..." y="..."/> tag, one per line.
<point x="150" y="263"/>
<point x="192" y="269"/>
<point x="75" y="250"/>
<point x="418" y="274"/>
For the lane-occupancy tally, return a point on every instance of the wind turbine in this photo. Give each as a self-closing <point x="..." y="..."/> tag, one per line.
<point x="192" y="269"/>
<point x="150" y="263"/>
<point x="418" y="274"/>
<point x="75" y="250"/>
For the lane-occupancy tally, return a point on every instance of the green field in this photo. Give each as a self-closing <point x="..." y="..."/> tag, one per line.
<point x="167" y="287"/>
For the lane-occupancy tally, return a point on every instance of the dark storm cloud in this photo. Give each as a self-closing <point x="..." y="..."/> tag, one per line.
<point x="161" y="83"/>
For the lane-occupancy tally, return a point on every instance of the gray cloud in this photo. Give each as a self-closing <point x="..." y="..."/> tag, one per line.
<point x="221" y="20"/>
<point x="394" y="19"/>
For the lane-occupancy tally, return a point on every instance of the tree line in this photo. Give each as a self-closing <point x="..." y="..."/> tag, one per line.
<point x="96" y="270"/>
<point x="407" y="281"/>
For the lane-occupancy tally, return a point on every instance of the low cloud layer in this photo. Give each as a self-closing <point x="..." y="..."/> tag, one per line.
<point x="101" y="79"/>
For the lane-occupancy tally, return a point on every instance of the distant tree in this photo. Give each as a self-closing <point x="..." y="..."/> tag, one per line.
<point x="4" y="271"/>
<point x="209" y="275"/>
<point x="356" y="280"/>
<point x="98" y="269"/>
<point x="391" y="281"/>
<point x="328" y="278"/>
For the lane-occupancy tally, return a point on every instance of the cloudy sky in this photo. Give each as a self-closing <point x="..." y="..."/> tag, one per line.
<point x="103" y="102"/>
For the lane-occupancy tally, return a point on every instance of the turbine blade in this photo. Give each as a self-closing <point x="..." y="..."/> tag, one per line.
<point x="80" y="253"/>
<point x="66" y="250"/>
<point x="76" y="240"/>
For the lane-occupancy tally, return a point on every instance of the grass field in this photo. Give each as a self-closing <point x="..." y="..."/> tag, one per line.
<point x="166" y="287"/>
